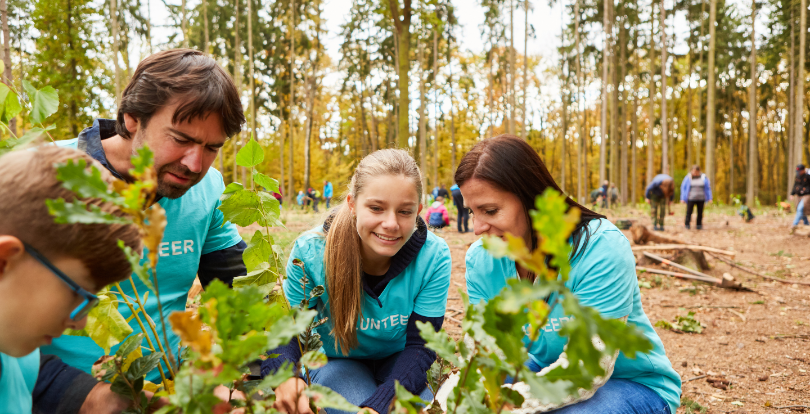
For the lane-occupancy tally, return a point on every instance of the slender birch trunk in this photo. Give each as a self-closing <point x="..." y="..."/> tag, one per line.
<point x="651" y="114"/>
<point x="422" y="117"/>
<point x="605" y="62"/>
<point x="525" y="122"/>
<point x="8" y="76"/>
<point x="752" y="115"/>
<point x="115" y="41"/>
<point x="580" y="111"/>
<point x="291" y="184"/>
<point x="710" y="105"/>
<point x="798" y="139"/>
<point x="664" y="114"/>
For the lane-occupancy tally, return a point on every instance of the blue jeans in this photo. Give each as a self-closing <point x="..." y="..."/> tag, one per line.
<point x="800" y="214"/>
<point x="357" y="379"/>
<point x="617" y="396"/>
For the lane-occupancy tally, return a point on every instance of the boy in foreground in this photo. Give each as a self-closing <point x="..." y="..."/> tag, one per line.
<point x="49" y="273"/>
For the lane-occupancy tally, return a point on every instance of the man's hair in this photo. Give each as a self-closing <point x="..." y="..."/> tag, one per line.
<point x="192" y="77"/>
<point x="28" y="178"/>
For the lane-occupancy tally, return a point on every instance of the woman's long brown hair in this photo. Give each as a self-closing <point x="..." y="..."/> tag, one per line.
<point x="511" y="164"/>
<point x="342" y="260"/>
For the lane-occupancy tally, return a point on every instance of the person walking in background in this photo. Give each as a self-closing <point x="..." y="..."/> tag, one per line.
<point x="463" y="213"/>
<point x="300" y="199"/>
<point x="801" y="190"/>
<point x="614" y="194"/>
<point x="695" y="192"/>
<point x="327" y="193"/>
<point x="604" y="190"/>
<point x="437" y="216"/>
<point x="443" y="192"/>
<point x="658" y="195"/>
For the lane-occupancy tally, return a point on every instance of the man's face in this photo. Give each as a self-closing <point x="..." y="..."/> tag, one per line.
<point x="183" y="151"/>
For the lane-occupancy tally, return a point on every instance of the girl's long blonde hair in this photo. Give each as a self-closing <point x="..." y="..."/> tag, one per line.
<point x="342" y="261"/>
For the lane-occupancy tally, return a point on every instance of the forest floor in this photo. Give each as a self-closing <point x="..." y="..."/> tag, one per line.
<point x="758" y="341"/>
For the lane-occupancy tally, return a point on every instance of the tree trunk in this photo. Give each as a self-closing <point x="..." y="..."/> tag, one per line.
<point x="452" y="107"/>
<point x="581" y="113"/>
<point x="149" y="26"/>
<point x="605" y="62"/>
<point x="511" y="83"/>
<point x="8" y="76"/>
<point x="690" y="103"/>
<point x="237" y="77"/>
<point x="699" y="117"/>
<point x="791" y="104"/>
<point x="281" y="135"/>
<point x="252" y="75"/>
<point x="402" y="27"/>
<point x="752" y="114"/>
<point x="435" y="88"/>
<point x="184" y="24"/>
<point x="491" y="93"/>
<point x="312" y="91"/>
<point x="615" y="110"/>
<point x="651" y="114"/>
<point x="114" y="24"/>
<point x="798" y="138"/>
<point x="291" y="183"/>
<point x="633" y="143"/>
<point x="422" y="116"/>
<point x="525" y="122"/>
<point x="623" y="121"/>
<point x="206" y="39"/>
<point x="710" y="106"/>
<point x="664" y="129"/>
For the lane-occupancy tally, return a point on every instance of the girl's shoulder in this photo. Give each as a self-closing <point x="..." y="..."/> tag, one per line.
<point x="310" y="240"/>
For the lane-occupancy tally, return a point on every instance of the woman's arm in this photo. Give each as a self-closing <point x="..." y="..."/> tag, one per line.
<point x="411" y="366"/>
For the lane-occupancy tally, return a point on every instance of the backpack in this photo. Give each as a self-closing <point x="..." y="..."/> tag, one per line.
<point x="436" y="219"/>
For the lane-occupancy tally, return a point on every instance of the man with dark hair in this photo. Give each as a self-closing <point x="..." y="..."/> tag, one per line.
<point x="184" y="107"/>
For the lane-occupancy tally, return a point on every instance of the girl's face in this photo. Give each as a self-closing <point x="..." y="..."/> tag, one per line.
<point x="495" y="212"/>
<point x="386" y="212"/>
<point x="36" y="303"/>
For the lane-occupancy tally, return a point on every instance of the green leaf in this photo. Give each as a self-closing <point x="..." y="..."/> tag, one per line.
<point x="10" y="102"/>
<point x="251" y="155"/>
<point x="439" y="342"/>
<point x="313" y="359"/>
<point x="105" y="325"/>
<point x="74" y="177"/>
<point x="143" y="365"/>
<point x="241" y="208"/>
<point x="547" y="391"/>
<point x="137" y="269"/>
<point x="31" y="135"/>
<point x="257" y="252"/>
<point x="260" y="276"/>
<point x="233" y="187"/>
<point x="78" y="212"/>
<point x="44" y="102"/>
<point x="268" y="183"/>
<point x="326" y="398"/>
<point x="142" y="160"/>
<point x="131" y="344"/>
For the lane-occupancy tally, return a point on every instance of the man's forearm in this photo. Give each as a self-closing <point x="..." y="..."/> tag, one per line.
<point x="60" y="388"/>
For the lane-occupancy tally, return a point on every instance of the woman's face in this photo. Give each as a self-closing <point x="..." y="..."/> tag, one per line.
<point x="495" y="211"/>
<point x="386" y="212"/>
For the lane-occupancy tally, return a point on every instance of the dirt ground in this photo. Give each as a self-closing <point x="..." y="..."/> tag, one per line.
<point x="758" y="341"/>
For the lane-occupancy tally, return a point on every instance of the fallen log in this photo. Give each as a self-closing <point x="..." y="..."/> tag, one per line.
<point x="755" y="273"/>
<point x="684" y="247"/>
<point x="726" y="282"/>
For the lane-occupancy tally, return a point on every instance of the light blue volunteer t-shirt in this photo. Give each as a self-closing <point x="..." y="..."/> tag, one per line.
<point x="422" y="288"/>
<point x="603" y="276"/>
<point x="17" y="379"/>
<point x="194" y="228"/>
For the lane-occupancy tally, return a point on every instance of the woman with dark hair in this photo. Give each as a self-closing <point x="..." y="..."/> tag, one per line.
<point x="500" y="178"/>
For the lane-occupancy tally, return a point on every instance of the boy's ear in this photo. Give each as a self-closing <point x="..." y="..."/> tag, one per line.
<point x="10" y="249"/>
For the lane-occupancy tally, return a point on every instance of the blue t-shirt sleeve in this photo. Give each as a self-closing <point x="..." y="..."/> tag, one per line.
<point x="605" y="276"/>
<point x="432" y="299"/>
<point x="474" y="278"/>
<point x="219" y="236"/>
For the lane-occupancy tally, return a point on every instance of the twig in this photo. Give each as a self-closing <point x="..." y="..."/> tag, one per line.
<point x="740" y="315"/>
<point x="677" y="266"/>
<point x="684" y="247"/>
<point x="149" y="321"/>
<point x="711" y="307"/>
<point x="753" y="272"/>
<point x="696" y="378"/>
<point x="452" y="319"/>
<point x="707" y="279"/>
<point x="458" y="284"/>
<point x="790" y="406"/>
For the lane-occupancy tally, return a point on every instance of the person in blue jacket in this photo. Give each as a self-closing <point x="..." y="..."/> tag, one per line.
<point x="500" y="178"/>
<point x="695" y="192"/>
<point x="659" y="194"/>
<point x="383" y="271"/>
<point x="50" y="275"/>
<point x="328" y="191"/>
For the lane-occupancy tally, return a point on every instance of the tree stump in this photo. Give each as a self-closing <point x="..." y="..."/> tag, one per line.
<point x="643" y="236"/>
